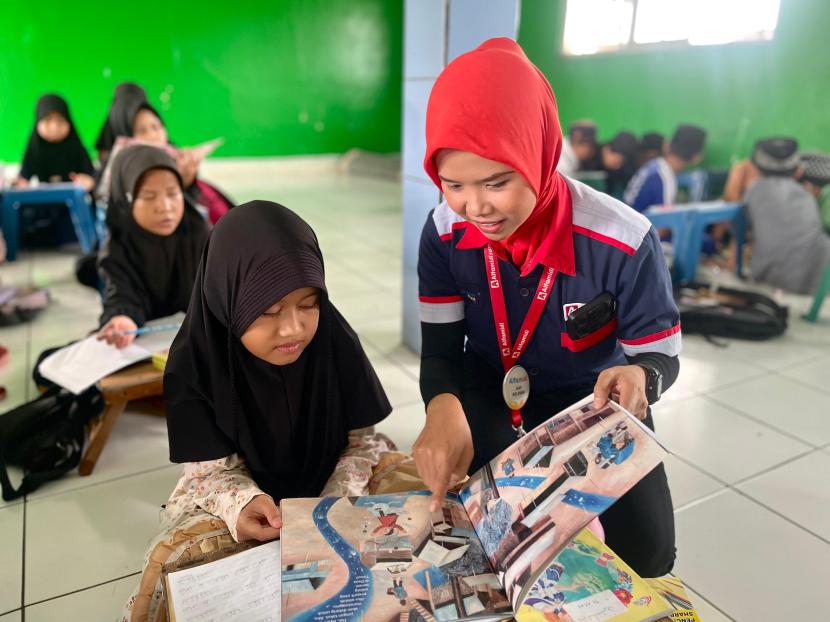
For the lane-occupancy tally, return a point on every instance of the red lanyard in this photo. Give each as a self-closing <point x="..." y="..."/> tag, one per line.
<point x="510" y="354"/>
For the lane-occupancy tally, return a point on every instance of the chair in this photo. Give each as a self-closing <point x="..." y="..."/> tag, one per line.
<point x="822" y="291"/>
<point x="136" y="382"/>
<point x="695" y="184"/>
<point x="676" y="219"/>
<point x="703" y="215"/>
<point x="73" y="196"/>
<point x="688" y="223"/>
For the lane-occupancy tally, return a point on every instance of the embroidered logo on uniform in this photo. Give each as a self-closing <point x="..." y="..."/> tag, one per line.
<point x="569" y="308"/>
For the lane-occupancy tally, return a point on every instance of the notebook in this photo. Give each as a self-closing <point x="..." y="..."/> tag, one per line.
<point x="81" y="364"/>
<point x="244" y="587"/>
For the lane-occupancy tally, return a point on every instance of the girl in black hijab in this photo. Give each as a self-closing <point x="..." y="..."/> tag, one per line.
<point x="134" y="118"/>
<point x="265" y="371"/>
<point x="149" y="261"/>
<point x="125" y="91"/>
<point x="54" y="152"/>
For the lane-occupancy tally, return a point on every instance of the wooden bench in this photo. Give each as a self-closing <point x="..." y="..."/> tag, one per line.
<point x="139" y="381"/>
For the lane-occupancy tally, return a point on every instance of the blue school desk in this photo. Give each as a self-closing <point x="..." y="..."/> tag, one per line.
<point x="74" y="197"/>
<point x="688" y="223"/>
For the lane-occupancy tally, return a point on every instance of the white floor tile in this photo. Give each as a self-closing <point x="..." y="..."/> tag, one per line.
<point x="799" y="490"/>
<point x="719" y="441"/>
<point x="705" y="610"/>
<point x="687" y="483"/>
<point x="383" y="335"/>
<point x="701" y="374"/>
<point x="374" y="306"/>
<point x="753" y="564"/>
<point x="11" y="557"/>
<point x="14" y="616"/>
<point x="782" y="404"/>
<point x="103" y="602"/>
<point x="815" y="373"/>
<point x="138" y="444"/>
<point x="406" y="359"/>
<point x="774" y="354"/>
<point x="400" y="387"/>
<point x="100" y="532"/>
<point x="404" y="425"/>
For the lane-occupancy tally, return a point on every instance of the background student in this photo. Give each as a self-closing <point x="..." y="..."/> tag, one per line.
<point x="148" y="262"/>
<point x="656" y="181"/>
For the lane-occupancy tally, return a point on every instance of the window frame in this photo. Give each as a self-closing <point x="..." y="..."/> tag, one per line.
<point x="632" y="47"/>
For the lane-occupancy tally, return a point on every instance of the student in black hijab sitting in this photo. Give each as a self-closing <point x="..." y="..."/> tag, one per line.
<point x="54" y="152"/>
<point x="149" y="261"/>
<point x="265" y="379"/>
<point x="125" y="91"/>
<point x="135" y="118"/>
<point x="269" y="394"/>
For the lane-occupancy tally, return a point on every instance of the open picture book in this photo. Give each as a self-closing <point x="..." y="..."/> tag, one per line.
<point x="512" y="543"/>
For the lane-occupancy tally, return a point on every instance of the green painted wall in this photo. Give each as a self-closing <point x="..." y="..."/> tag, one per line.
<point x="738" y="92"/>
<point x="273" y="77"/>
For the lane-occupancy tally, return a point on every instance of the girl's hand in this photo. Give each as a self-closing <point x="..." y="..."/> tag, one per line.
<point x="444" y="449"/>
<point x="259" y="520"/>
<point x="188" y="166"/>
<point x="21" y="182"/>
<point x="626" y="381"/>
<point x="84" y="180"/>
<point x="113" y="331"/>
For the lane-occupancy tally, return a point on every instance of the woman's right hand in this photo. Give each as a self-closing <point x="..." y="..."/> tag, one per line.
<point x="113" y="331"/>
<point x="259" y="520"/>
<point x="444" y="449"/>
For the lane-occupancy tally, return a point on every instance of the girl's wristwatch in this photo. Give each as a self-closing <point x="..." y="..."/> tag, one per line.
<point x="654" y="383"/>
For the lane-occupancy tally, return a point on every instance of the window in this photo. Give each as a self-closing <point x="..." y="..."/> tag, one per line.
<point x="597" y="26"/>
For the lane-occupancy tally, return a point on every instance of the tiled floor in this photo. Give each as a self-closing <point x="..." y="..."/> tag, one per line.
<point x="749" y="426"/>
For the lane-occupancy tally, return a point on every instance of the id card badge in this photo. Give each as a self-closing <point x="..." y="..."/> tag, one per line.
<point x="515" y="390"/>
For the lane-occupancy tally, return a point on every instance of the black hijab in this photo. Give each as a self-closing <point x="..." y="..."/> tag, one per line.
<point x="124" y="92"/>
<point x="123" y="114"/>
<point x="150" y="274"/>
<point x="291" y="422"/>
<point x="54" y="160"/>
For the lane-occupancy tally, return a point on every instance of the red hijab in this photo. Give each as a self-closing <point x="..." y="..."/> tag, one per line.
<point x="495" y="103"/>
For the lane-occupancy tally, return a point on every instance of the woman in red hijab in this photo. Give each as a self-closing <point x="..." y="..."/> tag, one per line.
<point x="526" y="273"/>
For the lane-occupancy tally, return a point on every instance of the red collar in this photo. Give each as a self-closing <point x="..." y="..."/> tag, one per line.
<point x="551" y="242"/>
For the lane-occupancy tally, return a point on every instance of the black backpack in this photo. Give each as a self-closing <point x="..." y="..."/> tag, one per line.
<point x="726" y="312"/>
<point x="45" y="437"/>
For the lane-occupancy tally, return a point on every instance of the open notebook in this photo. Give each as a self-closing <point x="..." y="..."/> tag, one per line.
<point x="81" y="364"/>
<point x="244" y="587"/>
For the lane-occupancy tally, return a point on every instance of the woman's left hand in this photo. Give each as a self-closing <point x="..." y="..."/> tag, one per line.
<point x="626" y="381"/>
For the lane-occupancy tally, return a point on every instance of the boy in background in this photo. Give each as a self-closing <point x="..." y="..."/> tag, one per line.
<point x="656" y="181"/>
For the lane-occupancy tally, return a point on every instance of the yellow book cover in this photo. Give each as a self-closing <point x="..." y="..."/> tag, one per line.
<point x="673" y="590"/>
<point x="587" y="582"/>
<point x="160" y="359"/>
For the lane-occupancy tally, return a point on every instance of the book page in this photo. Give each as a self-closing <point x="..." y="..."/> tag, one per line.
<point x="79" y="365"/>
<point x="244" y="587"/>
<point x="587" y="582"/>
<point x="377" y="558"/>
<point x="528" y="502"/>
